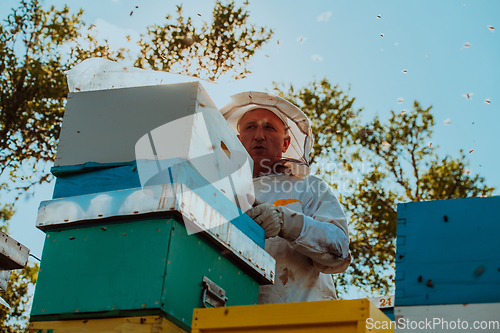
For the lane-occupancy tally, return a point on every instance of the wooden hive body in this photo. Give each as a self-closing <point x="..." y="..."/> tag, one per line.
<point x="115" y="248"/>
<point x="452" y="244"/>
<point x="447" y="263"/>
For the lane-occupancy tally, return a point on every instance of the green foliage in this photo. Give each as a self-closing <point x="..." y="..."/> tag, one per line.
<point x="449" y="178"/>
<point x="18" y="296"/>
<point x="36" y="47"/>
<point x="332" y="116"/>
<point x="382" y="164"/>
<point x="223" y="46"/>
<point x="6" y="212"/>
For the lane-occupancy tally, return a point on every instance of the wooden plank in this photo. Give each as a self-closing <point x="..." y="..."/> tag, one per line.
<point x="146" y="324"/>
<point x="340" y="328"/>
<point x="447" y="252"/>
<point x="323" y="316"/>
<point x="377" y="317"/>
<point x="4" y="279"/>
<point x="13" y="255"/>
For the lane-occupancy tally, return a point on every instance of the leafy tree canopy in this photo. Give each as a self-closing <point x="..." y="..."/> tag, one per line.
<point x="223" y="46"/>
<point x="36" y="47"/>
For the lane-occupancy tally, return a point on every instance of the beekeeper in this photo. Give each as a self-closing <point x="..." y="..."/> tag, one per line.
<point x="306" y="229"/>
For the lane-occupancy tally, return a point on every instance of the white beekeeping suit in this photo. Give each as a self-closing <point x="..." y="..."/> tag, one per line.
<point x="304" y="262"/>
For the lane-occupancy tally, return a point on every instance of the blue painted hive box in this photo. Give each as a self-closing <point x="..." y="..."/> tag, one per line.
<point x="447" y="252"/>
<point x="134" y="256"/>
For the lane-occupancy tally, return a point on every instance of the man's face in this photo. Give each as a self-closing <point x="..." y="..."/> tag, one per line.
<point x="263" y="135"/>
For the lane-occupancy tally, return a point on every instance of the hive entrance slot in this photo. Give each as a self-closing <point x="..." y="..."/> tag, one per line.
<point x="225" y="149"/>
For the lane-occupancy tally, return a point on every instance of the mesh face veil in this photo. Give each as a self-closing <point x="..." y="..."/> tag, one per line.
<point x="296" y="158"/>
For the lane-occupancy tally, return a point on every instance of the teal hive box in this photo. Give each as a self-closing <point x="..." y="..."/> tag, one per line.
<point x="145" y="263"/>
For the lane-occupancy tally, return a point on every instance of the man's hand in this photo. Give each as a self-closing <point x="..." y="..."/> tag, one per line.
<point x="267" y="216"/>
<point x="277" y="221"/>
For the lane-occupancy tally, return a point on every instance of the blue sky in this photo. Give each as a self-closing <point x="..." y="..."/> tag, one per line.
<point x="426" y="38"/>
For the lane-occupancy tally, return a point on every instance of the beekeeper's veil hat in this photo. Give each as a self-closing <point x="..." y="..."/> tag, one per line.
<point x="296" y="158"/>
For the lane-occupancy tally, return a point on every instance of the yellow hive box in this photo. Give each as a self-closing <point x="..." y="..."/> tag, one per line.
<point x="340" y="316"/>
<point x="145" y="324"/>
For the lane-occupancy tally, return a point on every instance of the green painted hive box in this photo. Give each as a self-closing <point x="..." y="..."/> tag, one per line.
<point x="143" y="262"/>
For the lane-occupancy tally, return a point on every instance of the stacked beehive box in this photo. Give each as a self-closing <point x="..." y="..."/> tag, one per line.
<point x="447" y="265"/>
<point x="126" y="241"/>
